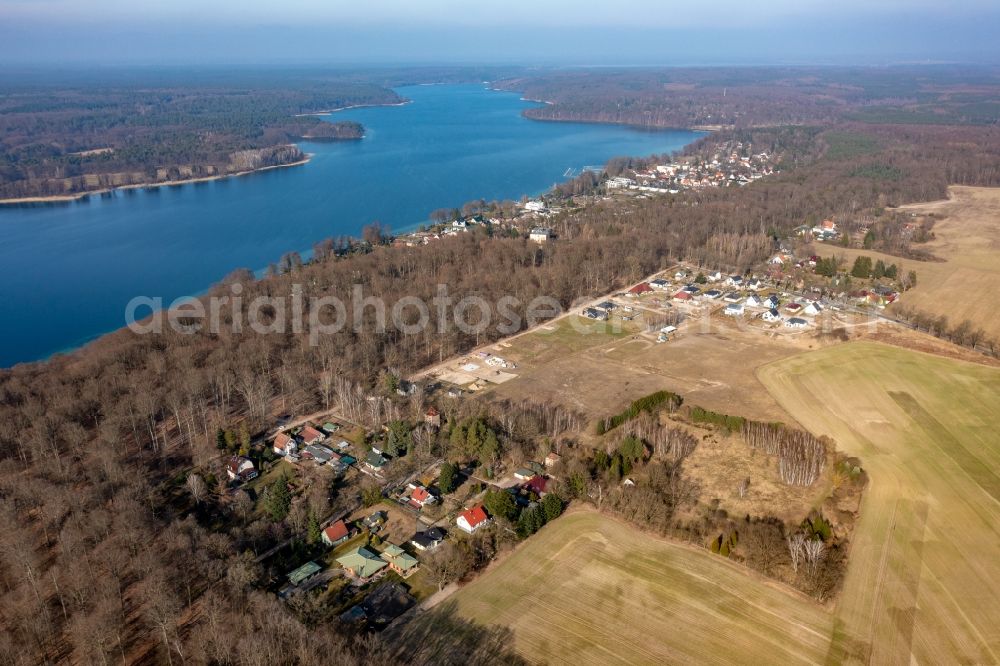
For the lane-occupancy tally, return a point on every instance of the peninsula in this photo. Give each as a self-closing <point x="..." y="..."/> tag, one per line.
<point x="164" y="131"/>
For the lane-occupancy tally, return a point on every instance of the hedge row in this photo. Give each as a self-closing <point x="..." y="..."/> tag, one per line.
<point x="730" y="423"/>
<point x="648" y="403"/>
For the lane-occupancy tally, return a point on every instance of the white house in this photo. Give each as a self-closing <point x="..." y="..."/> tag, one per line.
<point x="734" y="280"/>
<point x="472" y="519"/>
<point x="534" y="206"/>
<point x="734" y="309"/>
<point x="796" y="322"/>
<point x="540" y="234"/>
<point x="240" y="468"/>
<point x="825" y="228"/>
<point x="284" y="445"/>
<point x="753" y="302"/>
<point x="420" y="496"/>
<point x="754" y="284"/>
<point x="771" y="315"/>
<point x="427" y="540"/>
<point x="659" y="284"/>
<point x="619" y="183"/>
<point x="714" y="277"/>
<point x="812" y="309"/>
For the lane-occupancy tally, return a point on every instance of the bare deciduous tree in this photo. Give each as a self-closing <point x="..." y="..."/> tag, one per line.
<point x="444" y="566"/>
<point x="242" y="504"/>
<point x="796" y="548"/>
<point x="814" y="550"/>
<point x="744" y="487"/>
<point x="801" y="456"/>
<point x="197" y="487"/>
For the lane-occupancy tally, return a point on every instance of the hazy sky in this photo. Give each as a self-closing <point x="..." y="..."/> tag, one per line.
<point x="545" y="31"/>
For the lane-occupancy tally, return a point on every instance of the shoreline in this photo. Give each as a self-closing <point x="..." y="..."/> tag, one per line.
<point x="546" y="102"/>
<point x="330" y="112"/>
<point x="705" y="129"/>
<point x="73" y="347"/>
<point x="76" y="196"/>
<point x="65" y="198"/>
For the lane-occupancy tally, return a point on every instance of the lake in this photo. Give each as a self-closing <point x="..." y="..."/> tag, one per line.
<point x="69" y="269"/>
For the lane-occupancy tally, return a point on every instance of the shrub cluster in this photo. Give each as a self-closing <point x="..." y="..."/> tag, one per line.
<point x="648" y="403"/>
<point x="726" y="421"/>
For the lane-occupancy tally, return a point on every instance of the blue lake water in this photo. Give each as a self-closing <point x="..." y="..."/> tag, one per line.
<point x="69" y="269"/>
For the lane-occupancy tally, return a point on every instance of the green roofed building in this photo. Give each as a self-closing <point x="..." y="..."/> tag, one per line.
<point x="375" y="461"/>
<point x="304" y="573"/>
<point x="361" y="562"/>
<point x="399" y="560"/>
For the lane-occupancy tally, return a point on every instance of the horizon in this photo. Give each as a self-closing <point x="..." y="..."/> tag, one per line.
<point x="305" y="32"/>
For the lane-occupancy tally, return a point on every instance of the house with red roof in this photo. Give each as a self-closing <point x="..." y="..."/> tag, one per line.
<point x="472" y="519"/>
<point x="537" y="485"/>
<point x="310" y="435"/>
<point x="240" y="468"/>
<point x="433" y="417"/>
<point x="641" y="288"/>
<point x="420" y="497"/>
<point x="336" y="533"/>
<point x="682" y="296"/>
<point x="284" y="445"/>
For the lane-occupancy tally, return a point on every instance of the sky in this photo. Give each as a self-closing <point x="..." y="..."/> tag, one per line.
<point x="583" y="32"/>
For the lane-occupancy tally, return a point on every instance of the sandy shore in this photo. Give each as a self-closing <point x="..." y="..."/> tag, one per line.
<point x="57" y="198"/>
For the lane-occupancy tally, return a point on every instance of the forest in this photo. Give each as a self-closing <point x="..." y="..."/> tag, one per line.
<point x="759" y="96"/>
<point x="101" y="561"/>
<point x="57" y="140"/>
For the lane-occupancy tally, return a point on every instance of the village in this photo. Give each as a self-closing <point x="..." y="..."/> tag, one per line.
<point x="373" y="558"/>
<point x="527" y="220"/>
<point x="379" y="552"/>
<point x="733" y="164"/>
<point x="788" y="296"/>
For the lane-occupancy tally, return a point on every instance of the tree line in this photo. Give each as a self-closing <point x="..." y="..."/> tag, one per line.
<point x="762" y="97"/>
<point x="69" y="139"/>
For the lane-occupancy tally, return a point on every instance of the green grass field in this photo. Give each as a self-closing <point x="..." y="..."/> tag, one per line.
<point x="569" y="335"/>
<point x="588" y="589"/>
<point x="922" y="585"/>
